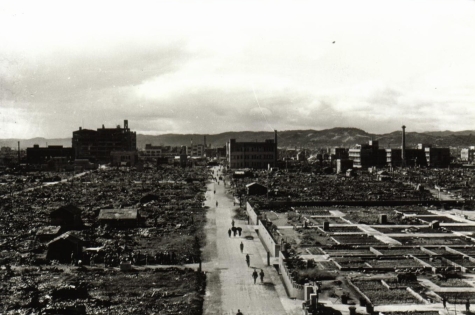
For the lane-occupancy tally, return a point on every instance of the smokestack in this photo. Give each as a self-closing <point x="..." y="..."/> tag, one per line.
<point x="126" y="124"/>
<point x="18" y="152"/>
<point x="275" y="153"/>
<point x="403" y="147"/>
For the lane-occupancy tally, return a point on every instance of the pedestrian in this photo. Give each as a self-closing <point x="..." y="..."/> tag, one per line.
<point x="232" y="222"/>
<point x="229" y="232"/>
<point x="444" y="301"/>
<point x="261" y="274"/>
<point x="216" y="203"/>
<point x="254" y="275"/>
<point x="241" y="246"/>
<point x="248" y="260"/>
<point x="239" y="312"/>
<point x="234" y="231"/>
<point x="239" y="230"/>
<point x="467" y="305"/>
<point x="215" y="192"/>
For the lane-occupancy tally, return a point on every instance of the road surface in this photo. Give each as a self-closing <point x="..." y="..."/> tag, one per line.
<point x="229" y="280"/>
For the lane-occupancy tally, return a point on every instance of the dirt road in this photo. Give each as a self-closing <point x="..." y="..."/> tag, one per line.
<point x="230" y="285"/>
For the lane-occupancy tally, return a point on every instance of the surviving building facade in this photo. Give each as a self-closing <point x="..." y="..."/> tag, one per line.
<point x="98" y="144"/>
<point x="258" y="155"/>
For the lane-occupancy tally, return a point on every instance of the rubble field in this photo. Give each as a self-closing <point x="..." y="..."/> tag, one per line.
<point x="111" y="241"/>
<point x="55" y="290"/>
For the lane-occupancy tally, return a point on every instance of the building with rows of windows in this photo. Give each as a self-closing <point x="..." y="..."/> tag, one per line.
<point x="257" y="155"/>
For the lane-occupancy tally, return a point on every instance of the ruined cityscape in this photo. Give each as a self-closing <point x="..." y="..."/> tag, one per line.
<point x="182" y="157"/>
<point x="108" y="226"/>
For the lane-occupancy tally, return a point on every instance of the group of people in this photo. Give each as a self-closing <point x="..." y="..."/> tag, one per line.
<point x="261" y="274"/>
<point x="234" y="230"/>
<point x="255" y="275"/>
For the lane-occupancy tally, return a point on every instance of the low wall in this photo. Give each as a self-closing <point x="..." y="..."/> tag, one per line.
<point x="362" y="203"/>
<point x="294" y="290"/>
<point x="268" y="241"/>
<point x="253" y="217"/>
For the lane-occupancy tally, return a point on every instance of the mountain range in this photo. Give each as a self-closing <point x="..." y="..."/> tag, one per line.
<point x="341" y="137"/>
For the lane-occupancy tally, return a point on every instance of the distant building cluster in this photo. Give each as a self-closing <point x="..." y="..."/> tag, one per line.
<point x="369" y="155"/>
<point x="118" y="146"/>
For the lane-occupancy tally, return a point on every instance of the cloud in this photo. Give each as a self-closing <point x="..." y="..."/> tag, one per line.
<point x="196" y="70"/>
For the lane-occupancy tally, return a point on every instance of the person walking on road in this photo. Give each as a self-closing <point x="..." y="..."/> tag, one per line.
<point x="261" y="274"/>
<point x="467" y="305"/>
<point x="241" y="246"/>
<point x="232" y="222"/>
<point x="239" y="312"/>
<point x="216" y="203"/>
<point x="248" y="260"/>
<point x="229" y="232"/>
<point x="254" y="275"/>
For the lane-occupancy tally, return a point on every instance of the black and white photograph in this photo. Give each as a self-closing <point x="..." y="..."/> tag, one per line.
<point x="237" y="157"/>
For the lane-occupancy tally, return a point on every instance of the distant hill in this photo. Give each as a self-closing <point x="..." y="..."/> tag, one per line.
<point x="447" y="133"/>
<point x="342" y="137"/>
<point x="28" y="143"/>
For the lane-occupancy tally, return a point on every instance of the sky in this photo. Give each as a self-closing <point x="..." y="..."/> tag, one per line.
<point x="215" y="66"/>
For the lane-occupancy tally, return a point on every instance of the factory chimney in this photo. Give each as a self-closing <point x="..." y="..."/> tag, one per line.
<point x="19" y="152"/>
<point x="275" y="153"/>
<point x="126" y="124"/>
<point x="403" y="147"/>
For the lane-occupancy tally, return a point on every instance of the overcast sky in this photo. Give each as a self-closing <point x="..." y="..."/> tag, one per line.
<point x="215" y="66"/>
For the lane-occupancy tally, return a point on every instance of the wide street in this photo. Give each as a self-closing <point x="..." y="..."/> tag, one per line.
<point x="230" y="285"/>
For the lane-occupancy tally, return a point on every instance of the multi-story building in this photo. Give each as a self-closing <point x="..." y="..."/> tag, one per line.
<point x="218" y="153"/>
<point x="9" y="156"/>
<point x="84" y="143"/>
<point x="339" y="153"/>
<point x="98" y="144"/>
<point x="414" y="157"/>
<point x="343" y="165"/>
<point x="468" y="154"/>
<point x="152" y="151"/>
<point x="124" y="158"/>
<point x="37" y="155"/>
<point x="196" y="150"/>
<point x="258" y="155"/>
<point x="368" y="155"/>
<point x="437" y="157"/>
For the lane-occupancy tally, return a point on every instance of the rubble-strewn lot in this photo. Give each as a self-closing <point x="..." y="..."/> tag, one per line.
<point x="313" y="186"/>
<point x="97" y="291"/>
<point x="58" y="248"/>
